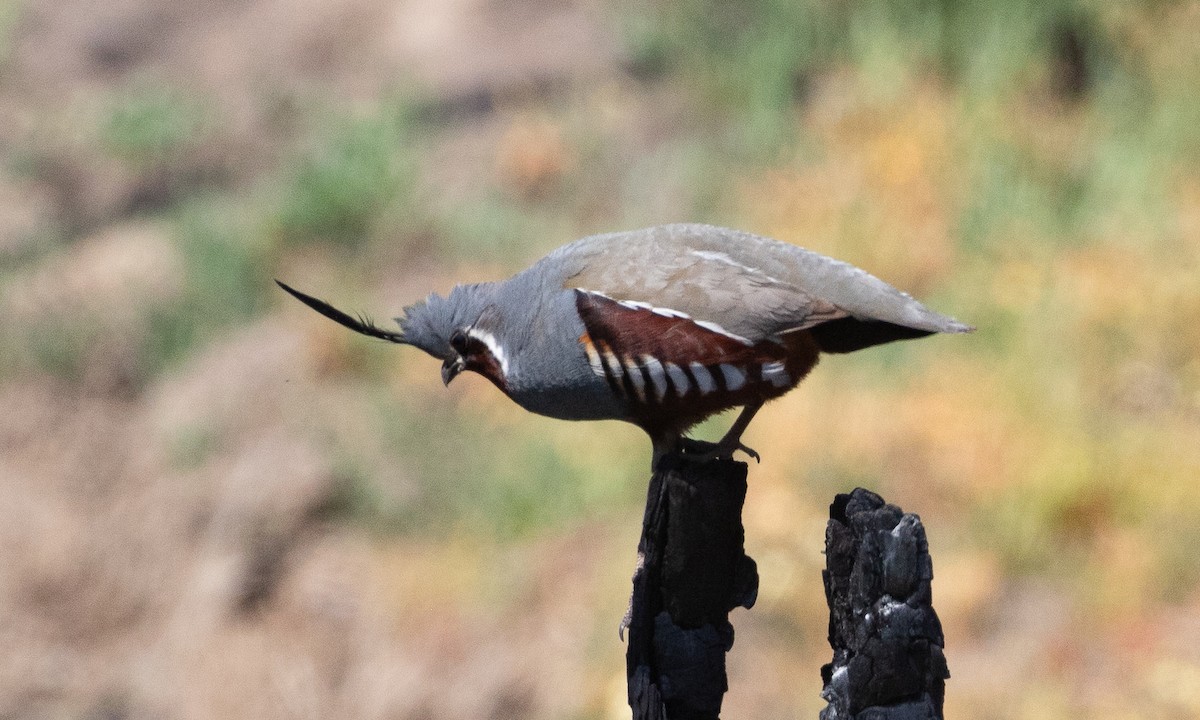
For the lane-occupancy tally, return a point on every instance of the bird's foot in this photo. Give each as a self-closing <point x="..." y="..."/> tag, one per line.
<point x="724" y="450"/>
<point x="749" y="451"/>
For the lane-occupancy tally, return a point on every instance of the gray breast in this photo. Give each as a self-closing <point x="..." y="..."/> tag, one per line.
<point x="550" y="374"/>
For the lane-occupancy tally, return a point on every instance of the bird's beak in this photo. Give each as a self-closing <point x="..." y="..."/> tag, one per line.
<point x="451" y="368"/>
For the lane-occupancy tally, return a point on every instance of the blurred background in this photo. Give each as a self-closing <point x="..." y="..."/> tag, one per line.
<point x="214" y="503"/>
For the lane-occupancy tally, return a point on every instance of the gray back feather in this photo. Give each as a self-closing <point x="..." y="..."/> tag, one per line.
<point x="750" y="285"/>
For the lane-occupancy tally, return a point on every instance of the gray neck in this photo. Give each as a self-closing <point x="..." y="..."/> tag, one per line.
<point x="541" y="337"/>
<point x="534" y="321"/>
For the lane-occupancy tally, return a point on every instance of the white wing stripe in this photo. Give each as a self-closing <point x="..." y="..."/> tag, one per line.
<point x="720" y="330"/>
<point x="668" y="312"/>
<point x="724" y="258"/>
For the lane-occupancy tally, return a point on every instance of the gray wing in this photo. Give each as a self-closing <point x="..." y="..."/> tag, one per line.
<point x="751" y="286"/>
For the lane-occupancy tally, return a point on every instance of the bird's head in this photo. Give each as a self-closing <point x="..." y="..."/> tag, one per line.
<point x="461" y="330"/>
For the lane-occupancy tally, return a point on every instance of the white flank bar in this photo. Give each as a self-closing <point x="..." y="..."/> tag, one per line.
<point x="776" y="374"/>
<point x="658" y="376"/>
<point x="734" y="377"/>
<point x="679" y="378"/>
<point x="704" y="380"/>
<point x="634" y="373"/>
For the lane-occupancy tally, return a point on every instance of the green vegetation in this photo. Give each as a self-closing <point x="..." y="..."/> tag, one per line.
<point x="355" y="177"/>
<point x="150" y="125"/>
<point x="503" y="484"/>
<point x="226" y="279"/>
<point x="10" y="12"/>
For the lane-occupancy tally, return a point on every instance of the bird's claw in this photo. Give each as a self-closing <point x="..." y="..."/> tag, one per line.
<point x="703" y="450"/>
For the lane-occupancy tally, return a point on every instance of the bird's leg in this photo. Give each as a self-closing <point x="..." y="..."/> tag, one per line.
<point x="728" y="445"/>
<point x="733" y="439"/>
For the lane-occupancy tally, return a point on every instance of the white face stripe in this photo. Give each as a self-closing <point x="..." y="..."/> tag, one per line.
<point x="658" y="376"/>
<point x="493" y="346"/>
<point x="734" y="377"/>
<point x="704" y="380"/>
<point x="678" y="378"/>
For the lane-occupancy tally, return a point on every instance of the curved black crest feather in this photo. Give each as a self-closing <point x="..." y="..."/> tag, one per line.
<point x="361" y="324"/>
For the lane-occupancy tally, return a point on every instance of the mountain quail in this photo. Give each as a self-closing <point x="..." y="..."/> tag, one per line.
<point x="661" y="327"/>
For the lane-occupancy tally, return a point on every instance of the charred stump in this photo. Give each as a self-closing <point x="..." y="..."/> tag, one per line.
<point x="886" y="638"/>
<point x="692" y="571"/>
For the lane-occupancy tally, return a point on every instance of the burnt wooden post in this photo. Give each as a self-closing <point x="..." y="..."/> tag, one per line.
<point x="692" y="571"/>
<point x="886" y="639"/>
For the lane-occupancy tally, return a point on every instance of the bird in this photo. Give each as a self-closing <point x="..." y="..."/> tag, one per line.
<point x="661" y="327"/>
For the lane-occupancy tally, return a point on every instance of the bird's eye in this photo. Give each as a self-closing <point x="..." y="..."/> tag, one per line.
<point x="458" y="341"/>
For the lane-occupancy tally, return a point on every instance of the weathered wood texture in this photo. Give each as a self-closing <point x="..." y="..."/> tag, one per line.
<point x="692" y="571"/>
<point x="886" y="639"/>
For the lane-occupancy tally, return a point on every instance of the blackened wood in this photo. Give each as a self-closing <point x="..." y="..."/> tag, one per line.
<point x="886" y="638"/>
<point x="692" y="571"/>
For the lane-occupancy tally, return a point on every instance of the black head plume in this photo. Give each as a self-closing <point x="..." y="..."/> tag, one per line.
<point x="359" y="324"/>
